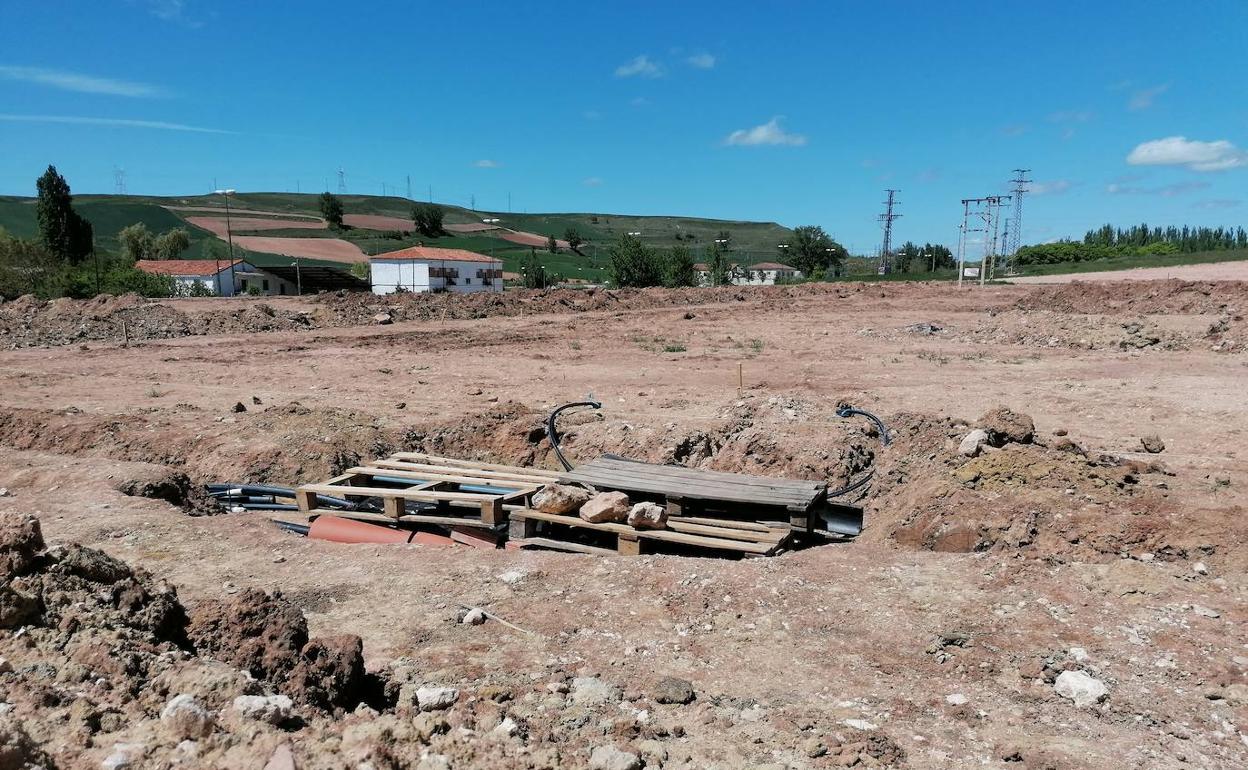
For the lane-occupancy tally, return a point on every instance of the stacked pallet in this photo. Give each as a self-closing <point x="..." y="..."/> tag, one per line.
<point x="415" y="488"/>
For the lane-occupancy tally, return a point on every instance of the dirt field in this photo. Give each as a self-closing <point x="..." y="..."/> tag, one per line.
<point x="943" y="637"/>
<point x="217" y="225"/>
<point x="334" y="249"/>
<point x="378" y="222"/>
<point x="1214" y="271"/>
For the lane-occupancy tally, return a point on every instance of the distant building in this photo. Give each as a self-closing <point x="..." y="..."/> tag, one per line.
<point x="220" y="277"/>
<point x="424" y="268"/>
<point x="761" y="274"/>
<point x="765" y="274"/>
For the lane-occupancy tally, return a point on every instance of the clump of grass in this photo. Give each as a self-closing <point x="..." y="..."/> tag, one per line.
<point x="575" y="345"/>
<point x="756" y="345"/>
<point x="674" y="347"/>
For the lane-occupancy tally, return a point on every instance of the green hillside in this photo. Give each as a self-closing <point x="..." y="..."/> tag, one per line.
<point x="750" y="241"/>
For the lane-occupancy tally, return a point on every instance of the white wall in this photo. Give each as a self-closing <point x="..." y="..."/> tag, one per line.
<point x="420" y="275"/>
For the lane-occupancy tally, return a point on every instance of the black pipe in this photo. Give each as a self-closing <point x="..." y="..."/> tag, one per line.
<point x="553" y="435"/>
<point x="290" y="526"/>
<point x="849" y="411"/>
<point x="230" y="489"/>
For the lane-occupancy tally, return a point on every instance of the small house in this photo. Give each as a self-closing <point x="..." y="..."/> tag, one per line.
<point x="224" y="278"/>
<point x="424" y="268"/>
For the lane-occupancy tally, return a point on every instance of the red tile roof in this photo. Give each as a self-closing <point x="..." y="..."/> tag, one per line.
<point x="771" y="266"/>
<point x="179" y="267"/>
<point x="431" y="254"/>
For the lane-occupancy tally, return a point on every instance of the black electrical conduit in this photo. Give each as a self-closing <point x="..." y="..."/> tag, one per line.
<point x="553" y="435"/>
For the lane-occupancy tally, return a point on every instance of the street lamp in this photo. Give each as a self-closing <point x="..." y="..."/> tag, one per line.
<point x="298" y="277"/>
<point x="229" y="234"/>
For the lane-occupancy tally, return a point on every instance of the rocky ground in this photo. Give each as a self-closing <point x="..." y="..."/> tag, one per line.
<point x="1052" y="574"/>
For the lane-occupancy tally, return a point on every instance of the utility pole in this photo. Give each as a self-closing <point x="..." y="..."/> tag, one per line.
<point x="409" y="187"/>
<point x="342" y="181"/>
<point x="119" y="181"/>
<point x="887" y="220"/>
<point x="1020" y="182"/>
<point x="431" y="193"/>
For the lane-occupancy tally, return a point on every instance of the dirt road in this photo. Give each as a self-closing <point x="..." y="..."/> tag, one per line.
<point x="936" y="640"/>
<point x="1213" y="271"/>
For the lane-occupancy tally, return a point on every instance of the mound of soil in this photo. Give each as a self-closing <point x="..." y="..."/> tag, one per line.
<point x="1138" y="297"/>
<point x="101" y="667"/>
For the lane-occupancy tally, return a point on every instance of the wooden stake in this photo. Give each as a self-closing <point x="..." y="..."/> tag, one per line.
<point x="740" y="380"/>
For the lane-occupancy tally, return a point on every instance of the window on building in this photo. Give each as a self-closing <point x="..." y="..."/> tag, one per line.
<point x="265" y="284"/>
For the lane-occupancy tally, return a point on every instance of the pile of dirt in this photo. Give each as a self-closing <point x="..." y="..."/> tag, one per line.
<point x="1045" y="329"/>
<point x="29" y="322"/>
<point x="102" y="666"/>
<point x="1138" y="297"/>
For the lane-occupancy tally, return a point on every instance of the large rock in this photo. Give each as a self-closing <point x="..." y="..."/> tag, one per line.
<point x="611" y="758"/>
<point x="647" y="516"/>
<point x="255" y="631"/>
<point x="187" y="718"/>
<point x="330" y="672"/>
<point x="1081" y="688"/>
<point x="972" y="442"/>
<point x="436" y="698"/>
<point x="591" y="691"/>
<point x="20" y="542"/>
<point x="606" y="507"/>
<point x="1153" y="444"/>
<point x="1005" y="426"/>
<point x="273" y="709"/>
<point x="559" y="498"/>
<point x="673" y="690"/>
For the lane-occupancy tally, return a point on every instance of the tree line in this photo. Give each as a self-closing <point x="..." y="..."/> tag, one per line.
<point x="62" y="260"/>
<point x="1136" y="241"/>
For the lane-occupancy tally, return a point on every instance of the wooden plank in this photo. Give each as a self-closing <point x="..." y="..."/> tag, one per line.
<point x="628" y="546"/>
<point x="699" y="474"/>
<point x="439" y="477"/>
<point x="407" y="518"/>
<point x="713" y="480"/>
<point x="406" y="494"/>
<point x="649" y="534"/>
<point x="688" y="490"/>
<point x="399" y="465"/>
<point x="773" y="536"/>
<point x="306" y="500"/>
<point x="752" y="526"/>
<point x="395" y="507"/>
<point x="559" y="545"/>
<point x="436" y="460"/>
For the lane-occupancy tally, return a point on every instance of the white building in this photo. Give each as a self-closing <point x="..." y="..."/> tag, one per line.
<point x="423" y="268"/>
<point x="220" y="277"/>
<point x="764" y="274"/>
<point x="761" y="274"/>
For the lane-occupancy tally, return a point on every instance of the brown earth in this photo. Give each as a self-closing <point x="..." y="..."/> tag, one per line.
<point x="1212" y="271"/>
<point x="935" y="640"/>
<point x="218" y="226"/>
<point x="379" y="222"/>
<point x="333" y="249"/>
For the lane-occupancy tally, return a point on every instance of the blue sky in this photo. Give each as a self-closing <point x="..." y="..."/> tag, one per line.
<point x="798" y="112"/>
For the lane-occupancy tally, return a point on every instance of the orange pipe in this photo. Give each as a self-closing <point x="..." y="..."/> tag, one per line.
<point x="339" y="530"/>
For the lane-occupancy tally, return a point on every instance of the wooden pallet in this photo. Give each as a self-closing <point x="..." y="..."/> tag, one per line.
<point x="531" y="528"/>
<point x="699" y="492"/>
<point x="456" y="492"/>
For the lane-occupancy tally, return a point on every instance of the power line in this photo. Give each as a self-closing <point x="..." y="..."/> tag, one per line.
<point x="1015" y="228"/>
<point x="887" y="219"/>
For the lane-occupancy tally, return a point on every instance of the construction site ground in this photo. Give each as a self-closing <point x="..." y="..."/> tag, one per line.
<point x="932" y="641"/>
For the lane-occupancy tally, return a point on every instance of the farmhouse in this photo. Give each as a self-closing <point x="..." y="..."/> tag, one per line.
<point x="423" y="268"/>
<point x="760" y="274"/>
<point x="223" y="278"/>
<point x="765" y="274"/>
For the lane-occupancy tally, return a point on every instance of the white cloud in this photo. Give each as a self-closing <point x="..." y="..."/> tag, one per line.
<point x="770" y="133"/>
<point x="74" y="81"/>
<point x="591" y="115"/>
<point x="1144" y="98"/>
<point x="702" y="61"/>
<point x="1165" y="191"/>
<point x="1218" y="203"/>
<point x="638" y="101"/>
<point x="641" y="66"/>
<point x="1015" y="129"/>
<point x="1071" y="116"/>
<point x="111" y="122"/>
<point x="1056" y="187"/>
<point x="486" y="163"/>
<point x="592" y="181"/>
<point x="1197" y="156"/>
